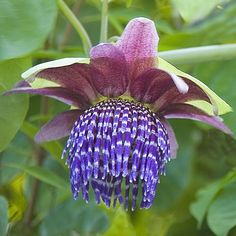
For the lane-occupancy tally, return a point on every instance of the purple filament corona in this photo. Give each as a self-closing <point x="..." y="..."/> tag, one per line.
<point x="119" y="148"/>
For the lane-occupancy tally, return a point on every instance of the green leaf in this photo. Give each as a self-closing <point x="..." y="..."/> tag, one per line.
<point x="222" y="212"/>
<point x="219" y="28"/>
<point x="129" y="3"/>
<point x="167" y="195"/>
<point x="25" y="25"/>
<point x="14" y="193"/>
<point x="208" y="195"/>
<point x="74" y="216"/>
<point x="192" y="10"/>
<point x="12" y="108"/>
<point x="18" y="151"/>
<point x="121" y="225"/>
<point x="205" y="196"/>
<point x="150" y="222"/>
<point x="219" y="106"/>
<point x="42" y="174"/>
<point x="3" y="216"/>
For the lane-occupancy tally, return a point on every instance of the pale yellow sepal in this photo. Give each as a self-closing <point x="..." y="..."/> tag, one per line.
<point x="30" y="74"/>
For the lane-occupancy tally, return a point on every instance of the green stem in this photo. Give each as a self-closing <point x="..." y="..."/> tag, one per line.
<point x="104" y="22"/>
<point x="40" y="156"/>
<point x="77" y="25"/>
<point x="180" y="56"/>
<point x="68" y="30"/>
<point x="200" y="54"/>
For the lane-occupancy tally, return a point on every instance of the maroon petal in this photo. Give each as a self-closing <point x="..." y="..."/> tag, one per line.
<point x="172" y="95"/>
<point x="155" y="85"/>
<point x="139" y="44"/>
<point x="150" y="85"/>
<point x="186" y="111"/>
<point x="109" y="70"/>
<point x="75" y="77"/>
<point x="62" y="94"/>
<point x="58" y="127"/>
<point x="173" y="142"/>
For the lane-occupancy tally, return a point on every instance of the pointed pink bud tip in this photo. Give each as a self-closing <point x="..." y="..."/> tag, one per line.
<point x="139" y="39"/>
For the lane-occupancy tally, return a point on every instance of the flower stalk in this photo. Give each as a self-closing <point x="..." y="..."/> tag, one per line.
<point x="191" y="55"/>
<point x="77" y="25"/>
<point x="200" y="54"/>
<point x="104" y="22"/>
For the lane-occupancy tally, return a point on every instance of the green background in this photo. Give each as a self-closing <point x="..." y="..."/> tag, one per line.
<point x="197" y="197"/>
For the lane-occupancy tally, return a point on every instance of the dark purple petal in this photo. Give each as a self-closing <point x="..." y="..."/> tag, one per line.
<point x="150" y="85"/>
<point x="58" y="127"/>
<point x="109" y="70"/>
<point x="158" y="85"/>
<point x="58" y="93"/>
<point x="186" y="111"/>
<point x="139" y="43"/>
<point x="22" y="83"/>
<point x="172" y="95"/>
<point x="171" y="135"/>
<point x="75" y="77"/>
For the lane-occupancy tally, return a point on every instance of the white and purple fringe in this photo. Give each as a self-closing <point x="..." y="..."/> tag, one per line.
<point x="115" y="141"/>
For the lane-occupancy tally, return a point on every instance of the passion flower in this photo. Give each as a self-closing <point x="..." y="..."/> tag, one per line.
<point x="119" y="138"/>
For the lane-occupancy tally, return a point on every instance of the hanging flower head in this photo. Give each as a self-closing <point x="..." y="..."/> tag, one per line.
<point x="119" y="138"/>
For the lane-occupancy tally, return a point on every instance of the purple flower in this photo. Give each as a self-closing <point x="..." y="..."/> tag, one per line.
<point x="120" y="140"/>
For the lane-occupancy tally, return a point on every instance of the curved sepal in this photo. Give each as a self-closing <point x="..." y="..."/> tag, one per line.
<point x="59" y="127"/>
<point x="58" y="93"/>
<point x="31" y="72"/>
<point x="187" y="111"/>
<point x="70" y="73"/>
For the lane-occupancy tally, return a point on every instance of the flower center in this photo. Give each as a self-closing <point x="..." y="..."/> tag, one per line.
<point x="115" y="141"/>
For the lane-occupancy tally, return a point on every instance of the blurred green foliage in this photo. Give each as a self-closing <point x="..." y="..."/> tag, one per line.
<point x="197" y="197"/>
<point x="12" y="109"/>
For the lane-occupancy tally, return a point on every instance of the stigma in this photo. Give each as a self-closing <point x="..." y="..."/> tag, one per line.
<point x="119" y="148"/>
